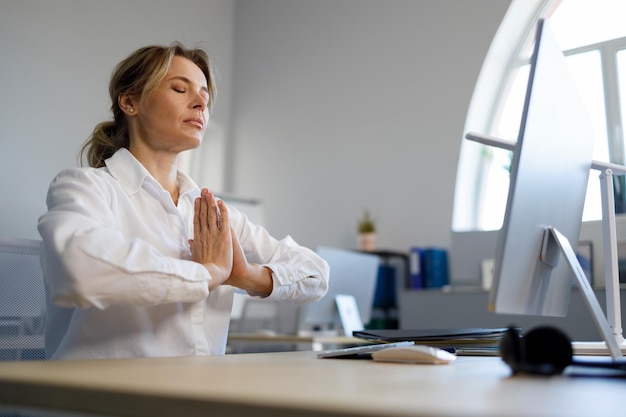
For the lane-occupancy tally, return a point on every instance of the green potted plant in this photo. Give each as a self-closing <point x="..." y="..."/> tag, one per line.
<point x="366" y="228"/>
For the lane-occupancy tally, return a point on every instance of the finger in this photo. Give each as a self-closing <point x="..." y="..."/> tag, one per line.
<point x="213" y="212"/>
<point x="204" y="211"/>
<point x="224" y="222"/>
<point x="196" y="217"/>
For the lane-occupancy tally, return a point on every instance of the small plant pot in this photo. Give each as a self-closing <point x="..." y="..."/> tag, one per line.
<point x="366" y="241"/>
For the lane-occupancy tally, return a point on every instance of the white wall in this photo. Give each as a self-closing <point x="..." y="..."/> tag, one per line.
<point x="341" y="105"/>
<point x="336" y="105"/>
<point x="56" y="61"/>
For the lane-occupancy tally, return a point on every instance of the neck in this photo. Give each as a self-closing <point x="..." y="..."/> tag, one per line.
<point x="163" y="166"/>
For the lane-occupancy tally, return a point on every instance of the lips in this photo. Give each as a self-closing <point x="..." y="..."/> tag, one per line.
<point x="196" y="122"/>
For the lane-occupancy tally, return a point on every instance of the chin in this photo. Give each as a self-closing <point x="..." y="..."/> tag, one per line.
<point x="192" y="143"/>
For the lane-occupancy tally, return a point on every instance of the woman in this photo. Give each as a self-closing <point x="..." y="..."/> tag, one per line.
<point x="138" y="261"/>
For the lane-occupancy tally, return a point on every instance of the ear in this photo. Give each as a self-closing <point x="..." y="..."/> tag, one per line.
<point x="127" y="104"/>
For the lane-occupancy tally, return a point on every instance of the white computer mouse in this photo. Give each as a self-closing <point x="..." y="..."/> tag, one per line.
<point x="414" y="354"/>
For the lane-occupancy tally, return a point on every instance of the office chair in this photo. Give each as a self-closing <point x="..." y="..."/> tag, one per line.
<point x="257" y="315"/>
<point x="22" y="300"/>
<point x="265" y="318"/>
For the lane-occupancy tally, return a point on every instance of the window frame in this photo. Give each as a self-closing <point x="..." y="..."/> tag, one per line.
<point x="491" y="90"/>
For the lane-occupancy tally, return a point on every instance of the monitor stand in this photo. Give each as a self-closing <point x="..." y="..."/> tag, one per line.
<point x="611" y="272"/>
<point x="609" y="326"/>
<point x="555" y="243"/>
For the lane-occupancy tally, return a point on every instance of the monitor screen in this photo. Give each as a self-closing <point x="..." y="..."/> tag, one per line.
<point x="549" y="175"/>
<point x="351" y="273"/>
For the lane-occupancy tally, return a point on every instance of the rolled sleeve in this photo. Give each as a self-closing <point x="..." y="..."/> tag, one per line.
<point x="298" y="274"/>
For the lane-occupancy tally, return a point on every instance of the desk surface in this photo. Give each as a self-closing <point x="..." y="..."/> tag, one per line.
<point x="297" y="383"/>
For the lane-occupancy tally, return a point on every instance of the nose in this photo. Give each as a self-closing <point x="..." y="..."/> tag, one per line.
<point x="200" y="101"/>
<point x="200" y="105"/>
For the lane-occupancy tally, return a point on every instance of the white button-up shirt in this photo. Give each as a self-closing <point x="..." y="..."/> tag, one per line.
<point x="118" y="269"/>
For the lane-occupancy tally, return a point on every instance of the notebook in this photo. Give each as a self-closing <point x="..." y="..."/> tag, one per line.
<point x="449" y="338"/>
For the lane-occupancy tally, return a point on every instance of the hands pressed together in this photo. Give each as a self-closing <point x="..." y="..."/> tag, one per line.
<point x="217" y="248"/>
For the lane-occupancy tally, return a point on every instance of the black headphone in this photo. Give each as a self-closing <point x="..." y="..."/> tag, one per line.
<point x="544" y="350"/>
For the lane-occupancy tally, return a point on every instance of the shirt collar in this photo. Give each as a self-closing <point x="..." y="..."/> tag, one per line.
<point x="131" y="174"/>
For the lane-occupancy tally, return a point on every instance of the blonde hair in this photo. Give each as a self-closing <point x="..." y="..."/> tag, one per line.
<point x="139" y="75"/>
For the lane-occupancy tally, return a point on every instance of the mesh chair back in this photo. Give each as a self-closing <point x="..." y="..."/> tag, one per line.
<point x="22" y="300"/>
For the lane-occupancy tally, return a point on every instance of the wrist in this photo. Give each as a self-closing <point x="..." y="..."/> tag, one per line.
<point x="263" y="283"/>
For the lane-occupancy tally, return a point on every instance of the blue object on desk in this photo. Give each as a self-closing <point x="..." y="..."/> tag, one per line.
<point x="435" y="268"/>
<point x="416" y="275"/>
<point x="385" y="295"/>
<point x="428" y="268"/>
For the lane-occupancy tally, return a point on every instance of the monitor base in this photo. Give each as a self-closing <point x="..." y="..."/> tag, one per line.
<point x="595" y="348"/>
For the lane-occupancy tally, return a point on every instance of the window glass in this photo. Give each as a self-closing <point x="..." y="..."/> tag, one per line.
<point x="589" y="59"/>
<point x="510" y="116"/>
<point x="586" y="71"/>
<point x="497" y="162"/>
<point x="584" y="22"/>
<point x="621" y="74"/>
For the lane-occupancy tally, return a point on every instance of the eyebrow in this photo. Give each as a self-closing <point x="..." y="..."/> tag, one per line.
<point x="188" y="81"/>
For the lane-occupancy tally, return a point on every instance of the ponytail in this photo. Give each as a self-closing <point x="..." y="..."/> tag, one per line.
<point x="106" y="138"/>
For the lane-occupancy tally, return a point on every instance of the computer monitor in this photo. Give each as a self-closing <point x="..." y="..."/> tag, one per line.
<point x="549" y="174"/>
<point x="534" y="262"/>
<point x="351" y="273"/>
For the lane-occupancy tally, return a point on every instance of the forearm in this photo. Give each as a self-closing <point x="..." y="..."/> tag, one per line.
<point x="84" y="273"/>
<point x="99" y="250"/>
<point x="295" y="273"/>
<point x="257" y="281"/>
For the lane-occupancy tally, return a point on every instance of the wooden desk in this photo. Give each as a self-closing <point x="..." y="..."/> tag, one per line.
<point x="298" y="384"/>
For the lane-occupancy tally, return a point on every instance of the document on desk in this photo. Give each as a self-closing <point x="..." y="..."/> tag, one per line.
<point x="360" y="352"/>
<point x="446" y="338"/>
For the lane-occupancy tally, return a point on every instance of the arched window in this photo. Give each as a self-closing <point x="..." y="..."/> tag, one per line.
<point x="591" y="35"/>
